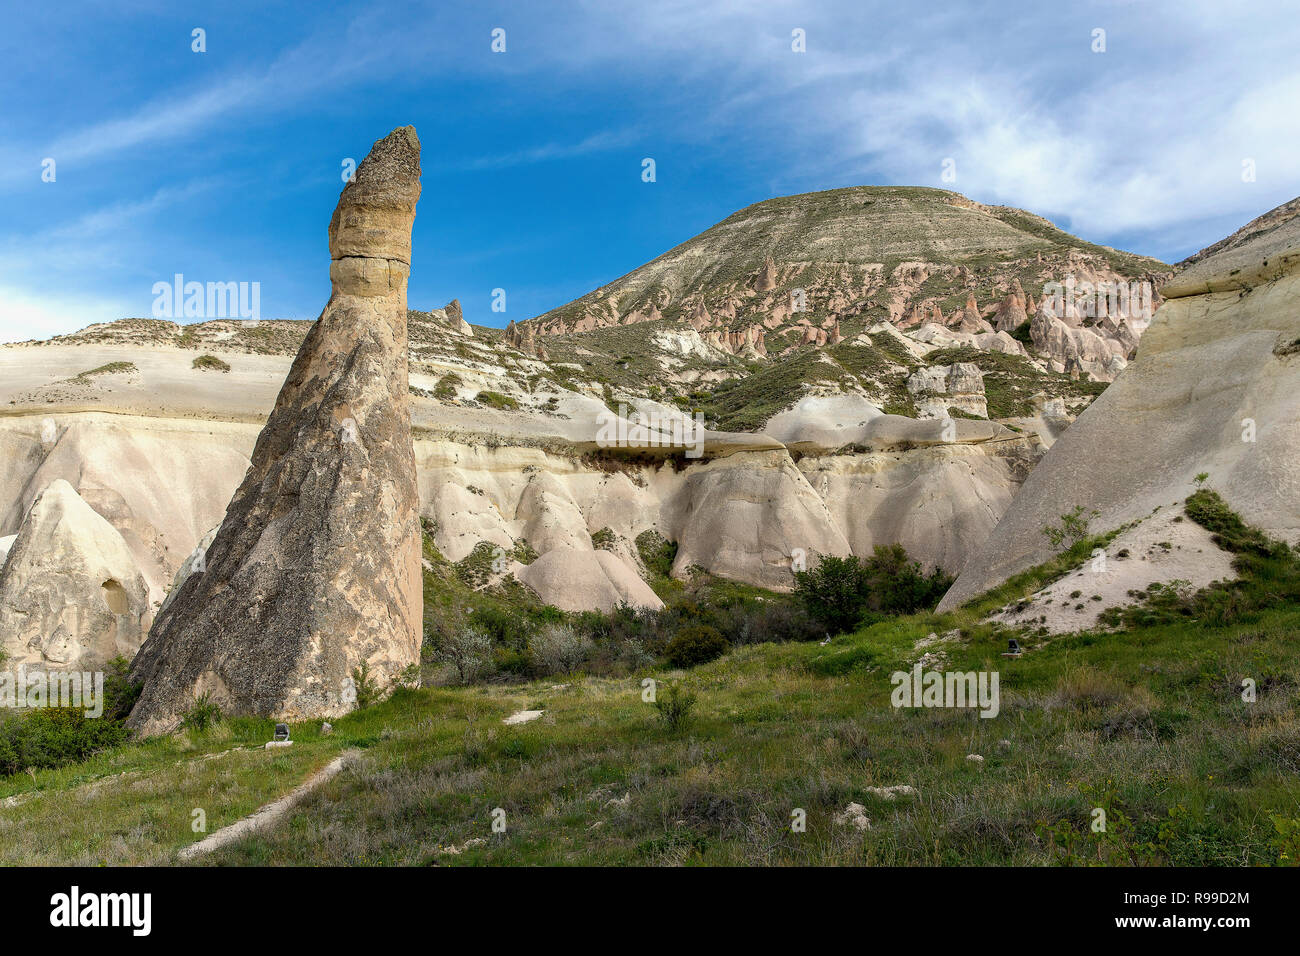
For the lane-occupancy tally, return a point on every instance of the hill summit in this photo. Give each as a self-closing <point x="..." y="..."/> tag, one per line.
<point x="814" y="269"/>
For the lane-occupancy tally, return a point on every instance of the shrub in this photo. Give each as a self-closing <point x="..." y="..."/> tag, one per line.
<point x="55" y="736"/>
<point x="120" y="694"/>
<point x="774" y="622"/>
<point x="896" y="585"/>
<point x="674" y="705"/>
<point x="842" y="593"/>
<point x="210" y="362"/>
<point x="657" y="553"/>
<point x="559" y="649"/>
<point x="496" y="400"/>
<point x="468" y="650"/>
<point x="502" y="626"/>
<point x="695" y="645"/>
<point x="366" y="686"/>
<point x="202" y="715"/>
<point x="832" y="592"/>
<point x="446" y="387"/>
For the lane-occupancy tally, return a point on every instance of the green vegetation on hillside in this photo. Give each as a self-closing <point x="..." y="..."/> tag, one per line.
<point x="112" y="368"/>
<point x="210" y="362"/>
<point x="745" y="404"/>
<point x="1010" y="381"/>
<point x="496" y="400"/>
<point x="1183" y="731"/>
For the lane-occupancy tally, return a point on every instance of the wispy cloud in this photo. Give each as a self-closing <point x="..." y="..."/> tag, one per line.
<point x="595" y="143"/>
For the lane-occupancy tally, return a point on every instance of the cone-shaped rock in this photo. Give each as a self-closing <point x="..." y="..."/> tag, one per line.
<point x="71" y="596"/>
<point x="315" y="570"/>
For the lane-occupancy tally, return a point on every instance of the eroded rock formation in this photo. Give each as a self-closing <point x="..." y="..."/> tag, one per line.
<point x="315" y="570"/>
<point x="71" y="596"/>
<point x="1215" y="388"/>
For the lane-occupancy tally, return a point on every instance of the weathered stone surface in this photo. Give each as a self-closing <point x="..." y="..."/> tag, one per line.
<point x="576" y="579"/>
<point x="71" y="595"/>
<point x="1215" y="388"/>
<point x="316" y="567"/>
<point x="750" y="514"/>
<point x="941" y="387"/>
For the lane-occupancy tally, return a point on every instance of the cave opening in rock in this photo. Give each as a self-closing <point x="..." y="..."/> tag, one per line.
<point x="115" y="595"/>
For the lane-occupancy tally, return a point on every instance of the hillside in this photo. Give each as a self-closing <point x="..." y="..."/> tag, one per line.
<point x="818" y="268"/>
<point x="1213" y="393"/>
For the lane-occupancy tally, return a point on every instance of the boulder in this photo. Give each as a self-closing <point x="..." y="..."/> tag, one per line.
<point x="941" y="387"/>
<point x="580" y="580"/>
<point x="749" y="516"/>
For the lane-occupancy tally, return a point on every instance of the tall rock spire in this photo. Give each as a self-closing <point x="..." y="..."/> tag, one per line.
<point x="315" y="570"/>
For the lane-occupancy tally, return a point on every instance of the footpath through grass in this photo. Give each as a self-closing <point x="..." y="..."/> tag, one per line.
<point x="1150" y="727"/>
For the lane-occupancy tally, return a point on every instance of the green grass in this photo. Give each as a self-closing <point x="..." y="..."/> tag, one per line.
<point x="1156" y="715"/>
<point x="112" y="368"/>
<point x="496" y="400"/>
<point x="133" y="805"/>
<point x="1148" y="723"/>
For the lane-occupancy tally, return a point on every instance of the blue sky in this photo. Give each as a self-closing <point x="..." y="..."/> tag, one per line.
<point x="225" y="165"/>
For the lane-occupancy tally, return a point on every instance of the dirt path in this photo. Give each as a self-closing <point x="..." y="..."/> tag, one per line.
<point x="268" y="814"/>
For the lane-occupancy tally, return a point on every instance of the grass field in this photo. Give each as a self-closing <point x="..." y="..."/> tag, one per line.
<point x="1148" y="726"/>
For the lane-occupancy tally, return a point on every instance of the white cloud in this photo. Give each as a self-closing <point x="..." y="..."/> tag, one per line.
<point x="26" y="315"/>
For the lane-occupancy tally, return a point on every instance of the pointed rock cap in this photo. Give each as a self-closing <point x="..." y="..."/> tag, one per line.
<point x="370" y="232"/>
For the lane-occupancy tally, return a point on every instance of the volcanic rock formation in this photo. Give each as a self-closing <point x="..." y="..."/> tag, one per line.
<point x="71" y="596"/>
<point x="315" y="571"/>
<point x="1215" y="388"/>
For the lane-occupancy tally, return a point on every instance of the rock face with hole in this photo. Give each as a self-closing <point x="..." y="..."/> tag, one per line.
<point x="1215" y="388"/>
<point x="71" y="595"/>
<point x="315" y="570"/>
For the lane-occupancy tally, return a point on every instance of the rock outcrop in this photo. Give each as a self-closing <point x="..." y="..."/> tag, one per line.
<point x="941" y="387"/>
<point x="575" y="579"/>
<point x="1215" y="388"/>
<point x="71" y="596"/>
<point x="750" y="514"/>
<point x="315" y="570"/>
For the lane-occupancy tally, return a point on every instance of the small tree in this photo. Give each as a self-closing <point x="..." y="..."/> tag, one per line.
<point x="468" y="651"/>
<point x="1073" y="527"/>
<point x="894" y="584"/>
<point x="559" y="649"/>
<point x="832" y="592"/>
<point x="366" y="686"/>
